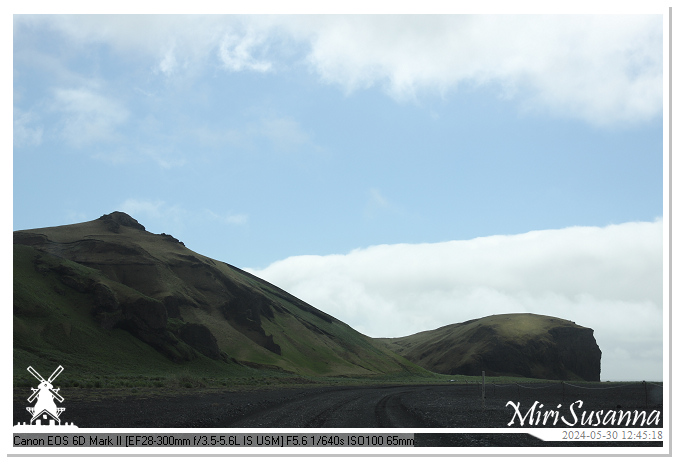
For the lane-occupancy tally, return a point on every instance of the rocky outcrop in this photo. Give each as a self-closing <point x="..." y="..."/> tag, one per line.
<point x="521" y="345"/>
<point x="199" y="337"/>
<point x="245" y="312"/>
<point x="145" y="314"/>
<point x="116" y="219"/>
<point x="171" y="239"/>
<point x="578" y="351"/>
<point x="145" y="318"/>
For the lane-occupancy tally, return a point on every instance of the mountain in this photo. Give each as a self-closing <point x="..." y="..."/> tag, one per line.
<point x="110" y="296"/>
<point x="526" y="345"/>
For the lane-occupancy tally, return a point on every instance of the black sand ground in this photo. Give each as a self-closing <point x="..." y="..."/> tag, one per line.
<point x="403" y="406"/>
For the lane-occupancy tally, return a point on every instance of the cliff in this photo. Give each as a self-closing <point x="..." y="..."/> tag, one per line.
<point x="524" y="345"/>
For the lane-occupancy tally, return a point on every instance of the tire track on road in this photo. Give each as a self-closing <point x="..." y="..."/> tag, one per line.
<point x="310" y="411"/>
<point x="390" y="412"/>
<point x="333" y="416"/>
<point x="348" y="408"/>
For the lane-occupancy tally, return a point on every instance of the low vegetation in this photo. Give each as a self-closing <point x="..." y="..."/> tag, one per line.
<point x="122" y="308"/>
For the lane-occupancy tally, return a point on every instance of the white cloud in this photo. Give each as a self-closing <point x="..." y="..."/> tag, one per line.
<point x="232" y="219"/>
<point x="88" y="116"/>
<point x="236" y="219"/>
<point x="376" y="203"/>
<point x="168" y="64"/>
<point x="164" y="157"/>
<point x="174" y="42"/>
<point x="609" y="279"/>
<point x="377" y="199"/>
<point x="184" y="38"/>
<point x="76" y="216"/>
<point x="161" y="216"/>
<point x="116" y="157"/>
<point x="604" y="69"/>
<point x="26" y="130"/>
<point x="283" y="134"/>
<point x="155" y="209"/>
<point x="237" y="52"/>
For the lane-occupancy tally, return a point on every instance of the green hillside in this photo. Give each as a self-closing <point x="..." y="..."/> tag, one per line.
<point x="528" y="345"/>
<point x="108" y="298"/>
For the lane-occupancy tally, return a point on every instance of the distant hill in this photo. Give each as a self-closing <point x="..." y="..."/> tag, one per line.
<point x="527" y="345"/>
<point x="109" y="296"/>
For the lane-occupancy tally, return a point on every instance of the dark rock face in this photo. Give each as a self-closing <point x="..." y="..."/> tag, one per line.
<point x="146" y="318"/>
<point x="170" y="238"/>
<point x="563" y="352"/>
<point x="578" y="351"/>
<point x="171" y="303"/>
<point x="199" y="337"/>
<point x="106" y="307"/>
<point x="116" y="219"/>
<point x="245" y="312"/>
<point x="104" y="299"/>
<point x="146" y="314"/>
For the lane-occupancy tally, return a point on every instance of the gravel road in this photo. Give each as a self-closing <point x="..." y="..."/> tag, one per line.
<point x="402" y="406"/>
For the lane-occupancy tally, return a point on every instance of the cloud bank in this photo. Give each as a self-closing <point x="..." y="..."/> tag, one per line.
<point x="603" y="69"/>
<point x="609" y="279"/>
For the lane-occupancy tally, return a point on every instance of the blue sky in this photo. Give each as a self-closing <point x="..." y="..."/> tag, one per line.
<point x="256" y="140"/>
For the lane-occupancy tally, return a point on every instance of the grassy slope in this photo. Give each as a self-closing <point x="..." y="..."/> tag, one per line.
<point x="462" y="343"/>
<point x="53" y="325"/>
<point x="328" y="348"/>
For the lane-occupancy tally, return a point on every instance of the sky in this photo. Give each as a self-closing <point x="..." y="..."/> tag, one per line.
<point x="398" y="172"/>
